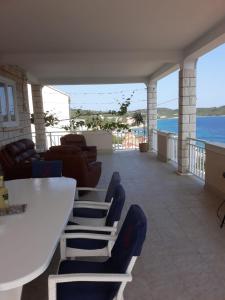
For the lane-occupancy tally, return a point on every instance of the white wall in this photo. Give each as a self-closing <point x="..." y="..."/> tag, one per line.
<point x="56" y="103"/>
<point x="101" y="139"/>
<point x="214" y="168"/>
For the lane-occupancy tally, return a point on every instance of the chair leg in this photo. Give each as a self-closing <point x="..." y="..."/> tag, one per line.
<point x="222" y="223"/>
<point x="76" y="195"/>
<point x="63" y="248"/>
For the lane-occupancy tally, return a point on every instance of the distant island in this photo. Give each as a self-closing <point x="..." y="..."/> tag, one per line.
<point x="201" y="111"/>
<point x="163" y="113"/>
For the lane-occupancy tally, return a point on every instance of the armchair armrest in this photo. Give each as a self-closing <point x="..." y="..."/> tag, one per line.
<point x="42" y="154"/>
<point x="91" y="236"/>
<point x="90" y="204"/>
<point x="89" y="148"/>
<point x="91" y="228"/>
<point x="91" y="189"/>
<point x="89" y="277"/>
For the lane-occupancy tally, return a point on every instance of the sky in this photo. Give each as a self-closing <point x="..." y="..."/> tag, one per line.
<point x="210" y="88"/>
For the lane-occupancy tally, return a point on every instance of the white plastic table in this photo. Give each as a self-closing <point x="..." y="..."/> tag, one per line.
<point x="28" y="240"/>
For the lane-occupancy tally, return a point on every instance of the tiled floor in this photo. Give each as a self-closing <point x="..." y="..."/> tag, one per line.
<point x="184" y="254"/>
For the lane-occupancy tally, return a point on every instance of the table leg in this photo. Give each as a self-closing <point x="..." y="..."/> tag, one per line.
<point x="14" y="294"/>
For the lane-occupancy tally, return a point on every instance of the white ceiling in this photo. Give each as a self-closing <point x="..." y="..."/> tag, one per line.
<point x="97" y="41"/>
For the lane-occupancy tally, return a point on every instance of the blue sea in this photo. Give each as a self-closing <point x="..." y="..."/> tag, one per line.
<point x="208" y="128"/>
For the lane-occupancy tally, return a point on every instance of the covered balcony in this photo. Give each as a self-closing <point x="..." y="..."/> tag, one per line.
<point x="79" y="42"/>
<point x="184" y="251"/>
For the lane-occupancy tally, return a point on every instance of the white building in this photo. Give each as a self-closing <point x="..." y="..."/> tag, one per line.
<point x="55" y="102"/>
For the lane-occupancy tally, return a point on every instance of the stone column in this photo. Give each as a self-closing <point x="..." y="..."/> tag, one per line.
<point x="39" y="122"/>
<point x="187" y="113"/>
<point x="151" y="110"/>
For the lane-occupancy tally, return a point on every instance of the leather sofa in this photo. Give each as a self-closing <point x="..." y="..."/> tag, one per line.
<point x="76" y="165"/>
<point x="16" y="159"/>
<point x="79" y="141"/>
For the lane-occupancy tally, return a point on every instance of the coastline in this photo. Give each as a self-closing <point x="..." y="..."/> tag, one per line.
<point x="197" y="116"/>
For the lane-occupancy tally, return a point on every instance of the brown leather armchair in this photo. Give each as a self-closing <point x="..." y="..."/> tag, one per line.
<point x="16" y="159"/>
<point x="76" y="165"/>
<point x="79" y="141"/>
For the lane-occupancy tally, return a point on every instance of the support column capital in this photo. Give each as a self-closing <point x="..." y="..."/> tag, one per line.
<point x="188" y="64"/>
<point x="36" y="85"/>
<point x="151" y="83"/>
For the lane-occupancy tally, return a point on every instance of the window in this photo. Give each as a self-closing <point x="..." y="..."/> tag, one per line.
<point x="8" y="114"/>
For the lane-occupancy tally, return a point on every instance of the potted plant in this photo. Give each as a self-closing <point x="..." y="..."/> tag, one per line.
<point x="138" y="120"/>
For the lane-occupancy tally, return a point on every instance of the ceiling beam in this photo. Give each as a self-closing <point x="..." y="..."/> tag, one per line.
<point x="207" y="42"/>
<point x="90" y="57"/>
<point x="90" y="80"/>
<point x="163" y="71"/>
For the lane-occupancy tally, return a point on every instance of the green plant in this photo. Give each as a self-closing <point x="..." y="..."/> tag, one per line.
<point x="117" y="139"/>
<point x="50" y="119"/>
<point x="138" y="118"/>
<point x="98" y="122"/>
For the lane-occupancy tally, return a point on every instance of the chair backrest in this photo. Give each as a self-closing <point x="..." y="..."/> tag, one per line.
<point x="129" y="241"/>
<point x="115" y="180"/>
<point x="116" y="207"/>
<point x="43" y="168"/>
<point x="73" y="139"/>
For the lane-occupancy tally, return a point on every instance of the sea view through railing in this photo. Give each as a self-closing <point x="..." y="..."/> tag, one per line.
<point x="209" y="128"/>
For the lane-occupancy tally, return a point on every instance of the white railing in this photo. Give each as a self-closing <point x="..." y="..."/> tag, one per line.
<point x="53" y="138"/>
<point x="122" y="140"/>
<point x="173" y="147"/>
<point x="197" y="157"/>
<point x="128" y="139"/>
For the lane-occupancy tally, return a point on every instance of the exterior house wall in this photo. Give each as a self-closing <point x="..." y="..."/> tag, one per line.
<point x="23" y="129"/>
<point x="56" y="103"/>
<point x="214" y="169"/>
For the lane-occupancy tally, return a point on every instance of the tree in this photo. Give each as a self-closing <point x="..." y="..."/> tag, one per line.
<point x="50" y="119"/>
<point x="138" y="118"/>
<point x="99" y="122"/>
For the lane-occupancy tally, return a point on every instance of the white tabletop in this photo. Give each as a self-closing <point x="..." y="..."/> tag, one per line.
<point x="28" y="240"/>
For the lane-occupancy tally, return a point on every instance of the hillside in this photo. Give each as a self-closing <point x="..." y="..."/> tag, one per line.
<point x="165" y="112"/>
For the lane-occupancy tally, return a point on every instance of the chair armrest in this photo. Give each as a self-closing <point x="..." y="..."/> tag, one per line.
<point x="91" y="228"/>
<point x="91" y="189"/>
<point x="90" y="204"/>
<point x="95" y="277"/>
<point x="89" y="148"/>
<point x="88" y="277"/>
<point x="84" y="235"/>
<point x="42" y="154"/>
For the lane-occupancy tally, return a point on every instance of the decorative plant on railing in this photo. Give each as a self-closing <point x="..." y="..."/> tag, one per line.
<point x="139" y="119"/>
<point x="98" y="121"/>
<point x="49" y="119"/>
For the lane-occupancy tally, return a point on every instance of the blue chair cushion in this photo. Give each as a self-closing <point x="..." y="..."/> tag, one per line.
<point x="85" y="290"/>
<point x="115" y="180"/>
<point x="130" y="239"/>
<point x="89" y="213"/>
<point x="43" y="168"/>
<point x="116" y="207"/>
